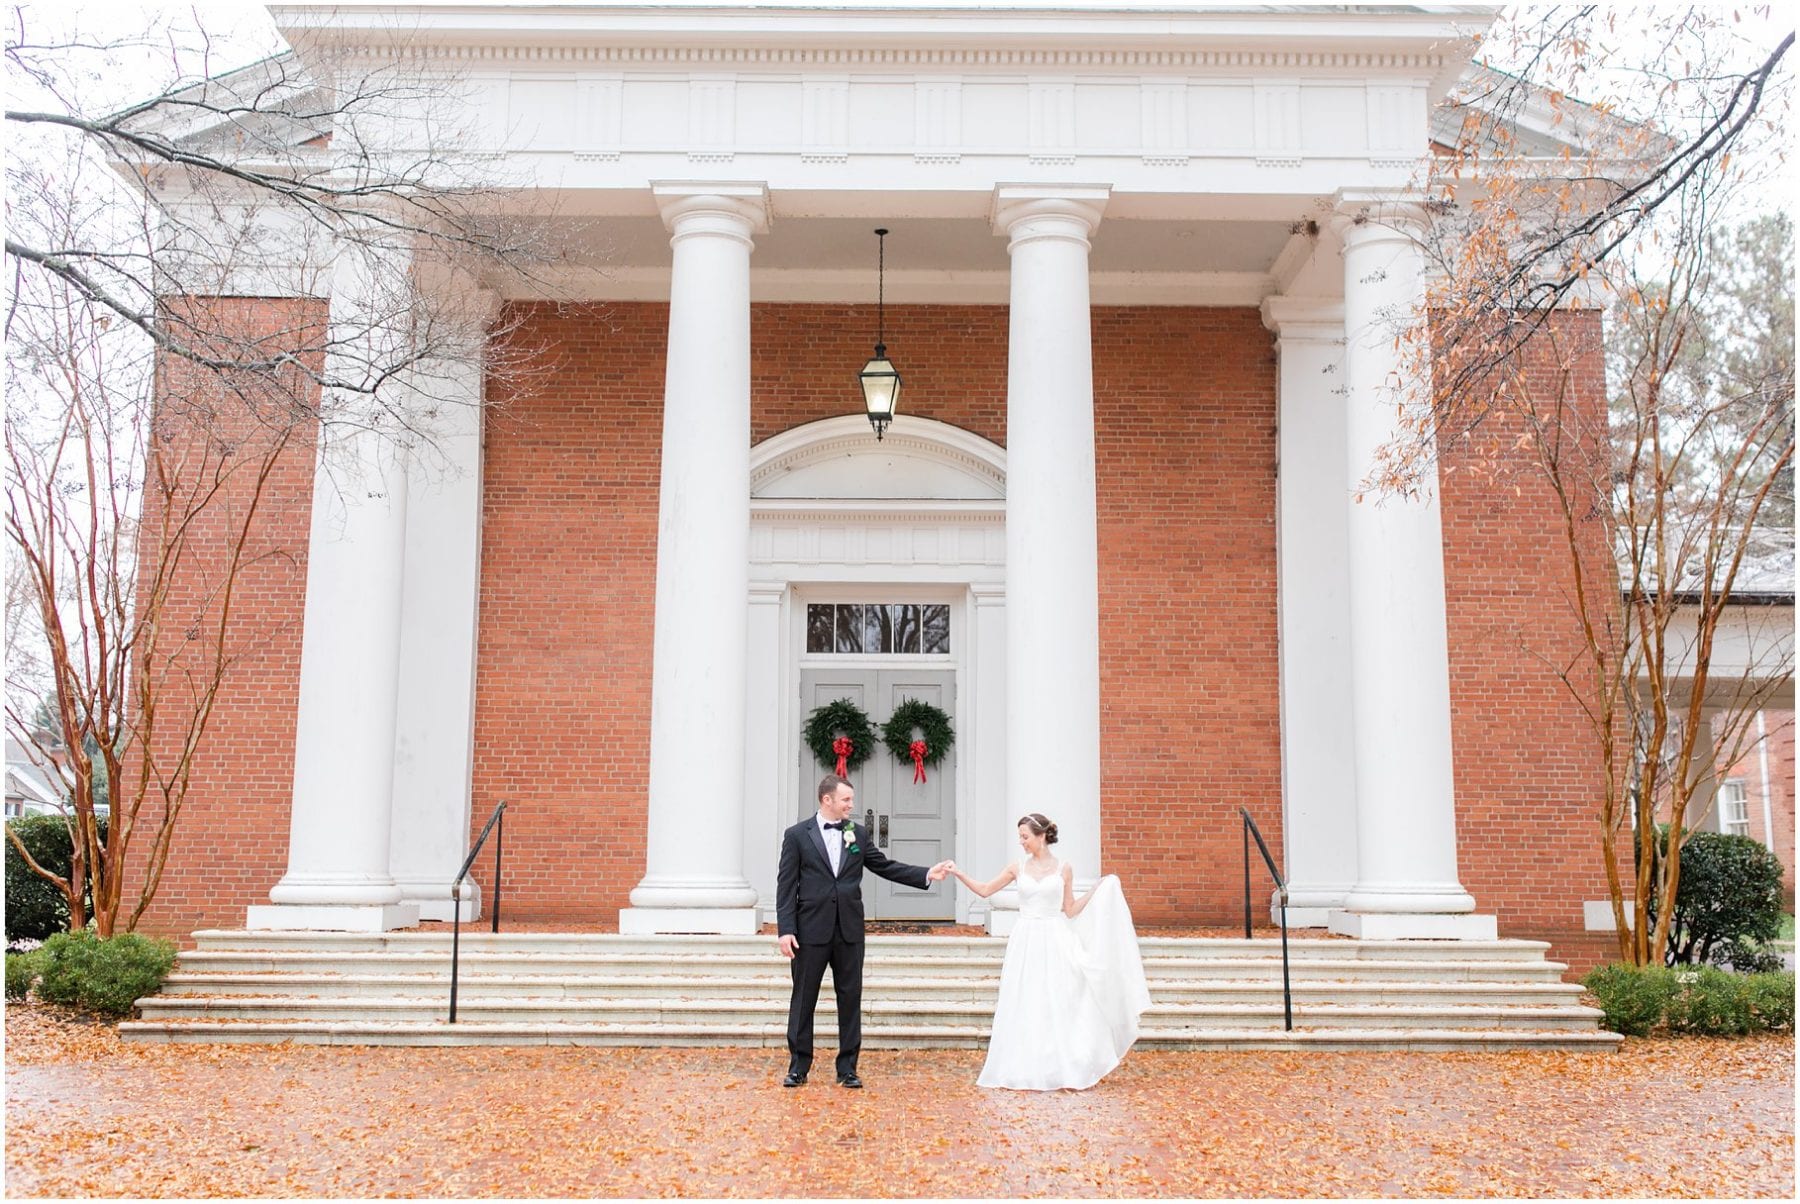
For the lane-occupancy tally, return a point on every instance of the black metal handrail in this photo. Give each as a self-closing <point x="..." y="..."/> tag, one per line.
<point x="1281" y="896"/>
<point x="497" y="825"/>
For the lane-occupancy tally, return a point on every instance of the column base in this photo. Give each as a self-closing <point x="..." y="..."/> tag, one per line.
<point x="1401" y="926"/>
<point x="1308" y="906"/>
<point x="673" y="921"/>
<point x="433" y="900"/>
<point x="1001" y="921"/>
<point x="1303" y="917"/>
<point x="326" y="917"/>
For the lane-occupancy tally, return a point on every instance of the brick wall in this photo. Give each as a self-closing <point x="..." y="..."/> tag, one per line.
<point x="1527" y="767"/>
<point x="1184" y="403"/>
<point x="1185" y="414"/>
<point x="230" y="842"/>
<point x="1184" y="408"/>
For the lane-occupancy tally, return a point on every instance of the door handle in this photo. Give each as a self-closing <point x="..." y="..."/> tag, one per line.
<point x="884" y="833"/>
<point x="869" y="819"/>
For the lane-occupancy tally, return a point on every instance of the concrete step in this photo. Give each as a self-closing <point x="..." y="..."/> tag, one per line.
<point x="875" y="1036"/>
<point x="906" y="1013"/>
<point x="603" y="988"/>
<point x="512" y="963"/>
<point x="667" y="947"/>
<point x="778" y="986"/>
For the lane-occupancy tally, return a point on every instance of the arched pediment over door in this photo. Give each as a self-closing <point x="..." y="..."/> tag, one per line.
<point x="839" y="459"/>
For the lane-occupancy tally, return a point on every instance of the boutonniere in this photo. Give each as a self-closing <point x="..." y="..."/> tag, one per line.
<point x="850" y="838"/>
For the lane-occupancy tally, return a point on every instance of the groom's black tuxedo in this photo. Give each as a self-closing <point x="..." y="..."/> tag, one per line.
<point x="825" y="912"/>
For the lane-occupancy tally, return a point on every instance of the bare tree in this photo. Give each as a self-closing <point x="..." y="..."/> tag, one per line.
<point x="1662" y="474"/>
<point x="211" y="285"/>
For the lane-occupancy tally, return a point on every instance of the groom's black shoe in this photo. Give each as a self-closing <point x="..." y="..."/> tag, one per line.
<point x="849" y="1080"/>
<point x="794" y="1079"/>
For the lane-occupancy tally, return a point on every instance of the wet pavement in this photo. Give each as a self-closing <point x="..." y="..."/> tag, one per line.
<point x="89" y="1115"/>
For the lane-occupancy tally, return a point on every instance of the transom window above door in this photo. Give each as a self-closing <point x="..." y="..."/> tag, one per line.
<point x="876" y="627"/>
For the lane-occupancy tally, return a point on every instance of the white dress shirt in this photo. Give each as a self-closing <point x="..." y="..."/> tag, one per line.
<point x="834" y="844"/>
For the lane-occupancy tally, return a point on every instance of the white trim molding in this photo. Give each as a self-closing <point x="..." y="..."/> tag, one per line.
<point x="948" y="547"/>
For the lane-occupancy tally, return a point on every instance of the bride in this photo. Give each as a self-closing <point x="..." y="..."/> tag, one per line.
<point x="1072" y="985"/>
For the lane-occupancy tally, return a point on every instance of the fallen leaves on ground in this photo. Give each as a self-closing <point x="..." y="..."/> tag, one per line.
<point x="90" y="1115"/>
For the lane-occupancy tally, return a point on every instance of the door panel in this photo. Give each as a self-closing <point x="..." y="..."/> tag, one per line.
<point x="819" y="687"/>
<point x="912" y="822"/>
<point x="921" y="814"/>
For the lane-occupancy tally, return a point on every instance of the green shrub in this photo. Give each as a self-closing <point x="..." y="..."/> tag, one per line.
<point x="21" y="970"/>
<point x="34" y="908"/>
<point x="105" y="976"/>
<point x="1711" y="1002"/>
<point x="1633" y="998"/>
<point x="1772" y="1000"/>
<point x="1727" y="904"/>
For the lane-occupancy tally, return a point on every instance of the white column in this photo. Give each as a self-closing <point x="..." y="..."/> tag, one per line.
<point x="695" y="880"/>
<point x="1407" y="882"/>
<point x="1052" y="569"/>
<point x="434" y="743"/>
<point x="1703" y="810"/>
<point x="338" y="874"/>
<point x="765" y="803"/>
<point x="1318" y="765"/>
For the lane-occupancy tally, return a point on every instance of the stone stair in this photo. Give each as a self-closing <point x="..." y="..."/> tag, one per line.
<point x="918" y="991"/>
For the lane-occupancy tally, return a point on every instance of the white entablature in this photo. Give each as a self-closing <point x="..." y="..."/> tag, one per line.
<point x="1247" y="104"/>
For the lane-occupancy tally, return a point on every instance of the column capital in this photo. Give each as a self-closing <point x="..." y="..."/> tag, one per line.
<point x="1361" y="215"/>
<point x="733" y="208"/>
<point x="1028" y="211"/>
<point x="1304" y="319"/>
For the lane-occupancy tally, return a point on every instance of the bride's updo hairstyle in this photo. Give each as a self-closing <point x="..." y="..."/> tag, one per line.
<point x="1040" y="826"/>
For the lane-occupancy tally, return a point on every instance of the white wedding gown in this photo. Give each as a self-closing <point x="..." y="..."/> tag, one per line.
<point x="1071" y="991"/>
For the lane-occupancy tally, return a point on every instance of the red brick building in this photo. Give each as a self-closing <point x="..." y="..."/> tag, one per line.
<point x="1114" y="531"/>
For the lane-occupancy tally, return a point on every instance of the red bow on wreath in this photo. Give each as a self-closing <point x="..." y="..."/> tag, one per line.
<point x="843" y="748"/>
<point x="918" y="750"/>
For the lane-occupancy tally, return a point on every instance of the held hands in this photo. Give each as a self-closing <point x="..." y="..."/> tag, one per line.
<point x="940" y="871"/>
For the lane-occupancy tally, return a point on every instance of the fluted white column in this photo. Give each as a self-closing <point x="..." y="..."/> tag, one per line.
<point x="1318" y="765"/>
<point x="1052" y="571"/>
<point x="1407" y="882"/>
<point x="695" y="879"/>
<point x="338" y="874"/>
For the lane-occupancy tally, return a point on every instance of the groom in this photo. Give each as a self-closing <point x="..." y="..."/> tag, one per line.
<point x="819" y="913"/>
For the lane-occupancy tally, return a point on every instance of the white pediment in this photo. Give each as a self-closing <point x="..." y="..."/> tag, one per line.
<point x="840" y="459"/>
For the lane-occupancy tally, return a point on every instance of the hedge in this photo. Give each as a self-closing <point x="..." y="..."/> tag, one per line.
<point x="1705" y="1000"/>
<point x="106" y="976"/>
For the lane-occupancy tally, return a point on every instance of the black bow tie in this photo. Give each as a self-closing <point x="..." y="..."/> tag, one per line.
<point x="839" y="826"/>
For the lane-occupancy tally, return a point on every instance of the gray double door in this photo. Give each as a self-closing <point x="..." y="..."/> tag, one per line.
<point x="913" y="822"/>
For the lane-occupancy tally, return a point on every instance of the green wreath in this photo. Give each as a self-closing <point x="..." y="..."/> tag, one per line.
<point x="845" y="718"/>
<point x="935" y="732"/>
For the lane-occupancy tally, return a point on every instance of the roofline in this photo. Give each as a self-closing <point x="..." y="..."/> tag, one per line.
<point x="1447" y="29"/>
<point x="1738" y="597"/>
